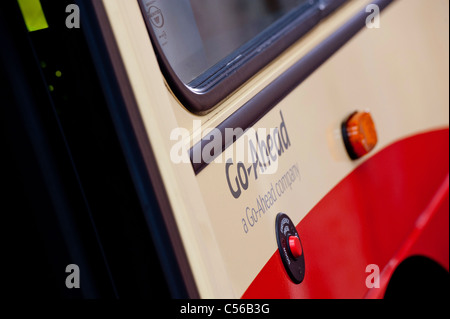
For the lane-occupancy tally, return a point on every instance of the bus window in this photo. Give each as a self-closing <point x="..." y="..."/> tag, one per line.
<point x="201" y="43"/>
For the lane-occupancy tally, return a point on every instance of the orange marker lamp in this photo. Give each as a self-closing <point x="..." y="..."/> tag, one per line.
<point x="359" y="134"/>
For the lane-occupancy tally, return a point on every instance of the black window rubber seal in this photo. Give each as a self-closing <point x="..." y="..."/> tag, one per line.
<point x="271" y="95"/>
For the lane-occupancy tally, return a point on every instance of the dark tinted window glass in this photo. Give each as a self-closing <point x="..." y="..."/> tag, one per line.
<point x="195" y="35"/>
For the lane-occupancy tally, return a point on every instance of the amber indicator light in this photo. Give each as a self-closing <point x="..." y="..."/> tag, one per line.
<point x="359" y="133"/>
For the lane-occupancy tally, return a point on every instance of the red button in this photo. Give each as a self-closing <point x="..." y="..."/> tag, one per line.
<point x="295" y="246"/>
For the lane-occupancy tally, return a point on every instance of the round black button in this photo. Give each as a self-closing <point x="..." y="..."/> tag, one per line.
<point x="295" y="266"/>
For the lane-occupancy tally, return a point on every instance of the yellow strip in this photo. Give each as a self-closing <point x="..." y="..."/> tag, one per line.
<point x="33" y="15"/>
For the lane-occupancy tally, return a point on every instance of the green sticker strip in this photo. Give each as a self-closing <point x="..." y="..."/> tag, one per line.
<point x="33" y="15"/>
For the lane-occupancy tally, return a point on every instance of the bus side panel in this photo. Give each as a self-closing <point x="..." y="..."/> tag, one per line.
<point x="374" y="216"/>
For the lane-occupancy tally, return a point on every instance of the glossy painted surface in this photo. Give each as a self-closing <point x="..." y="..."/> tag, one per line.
<point x="393" y="206"/>
<point x="402" y="80"/>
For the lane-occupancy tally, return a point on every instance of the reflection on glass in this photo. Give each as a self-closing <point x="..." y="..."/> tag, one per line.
<point x="197" y="34"/>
